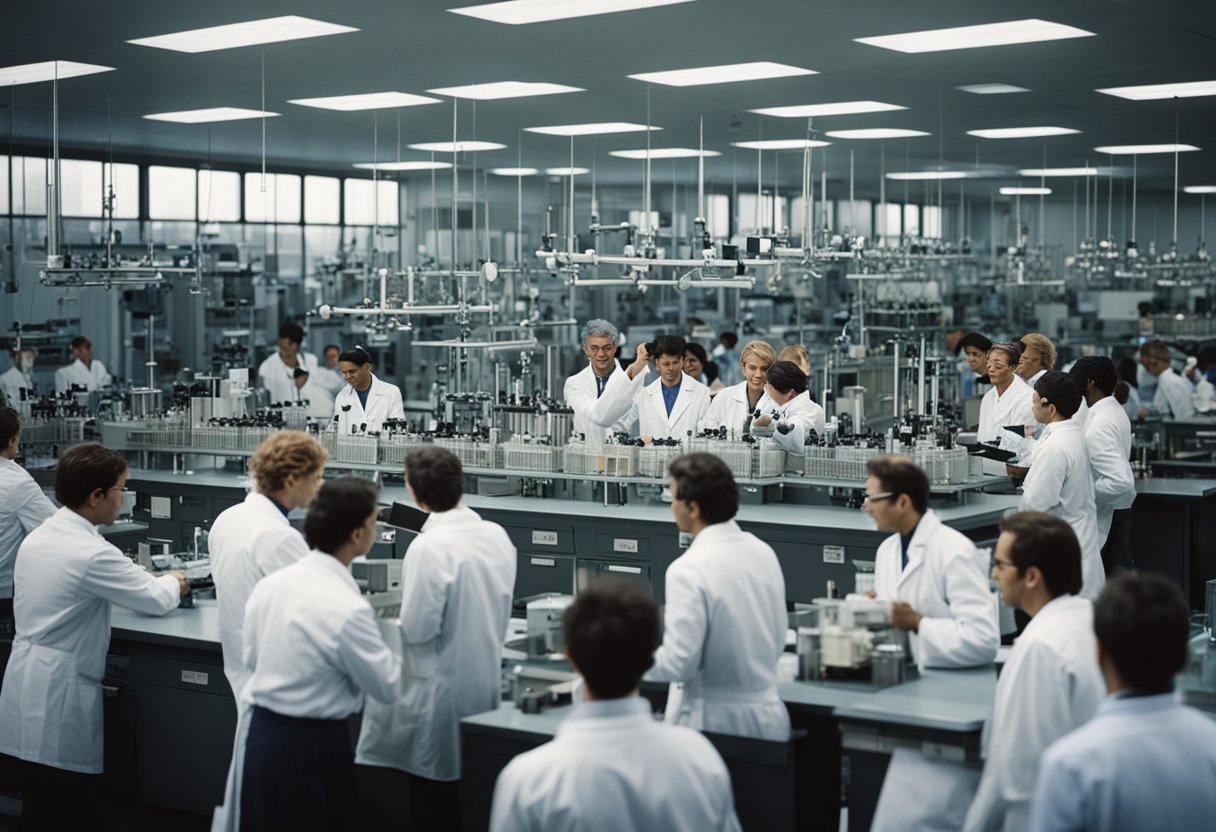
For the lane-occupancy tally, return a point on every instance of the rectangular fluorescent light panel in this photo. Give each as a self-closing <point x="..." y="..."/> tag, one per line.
<point x="566" y="171"/>
<point x="973" y="37"/>
<point x="840" y="108"/>
<point x="1200" y="189"/>
<point x="1022" y="132"/>
<point x="991" y="89"/>
<point x="928" y="174"/>
<point x="11" y="76"/>
<point x="1144" y="149"/>
<point x="514" y="171"/>
<point x="504" y="89"/>
<point x="249" y="33"/>
<point x="209" y="114"/>
<point x="365" y="101"/>
<point x="1150" y="92"/>
<point x="664" y="153"/>
<point x="1025" y="191"/>
<point x="875" y="133"/>
<point x="782" y="144"/>
<point x="596" y="129"/>
<point x="399" y="166"/>
<point x="458" y="147"/>
<point x="725" y="74"/>
<point x="1058" y="172"/>
<point x="516" y="12"/>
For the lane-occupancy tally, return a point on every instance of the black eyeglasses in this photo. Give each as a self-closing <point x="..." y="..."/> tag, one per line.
<point x="878" y="498"/>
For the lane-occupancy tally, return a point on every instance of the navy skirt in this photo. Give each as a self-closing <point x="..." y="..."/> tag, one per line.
<point x="299" y="774"/>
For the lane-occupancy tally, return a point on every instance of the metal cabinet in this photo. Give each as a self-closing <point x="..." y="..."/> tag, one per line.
<point x="536" y="573"/>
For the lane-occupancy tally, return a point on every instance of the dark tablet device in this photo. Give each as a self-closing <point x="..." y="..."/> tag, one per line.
<point x="1017" y="430"/>
<point x="406" y="517"/>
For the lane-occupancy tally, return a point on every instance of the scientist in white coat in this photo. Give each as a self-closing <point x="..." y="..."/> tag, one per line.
<point x="366" y="402"/>
<point x="610" y="766"/>
<point x="596" y="416"/>
<point x="793" y="416"/>
<point x="456" y="591"/>
<point x="1174" y="396"/>
<point x="276" y="374"/>
<point x="1051" y="684"/>
<point x="1008" y="402"/>
<point x="23" y="508"/>
<point x="724" y="621"/>
<point x="1108" y="440"/>
<point x="320" y="404"/>
<point x="1145" y="761"/>
<point x="17" y="382"/>
<point x="734" y="407"/>
<point x="671" y="408"/>
<point x="85" y="372"/>
<point x="66" y="578"/>
<point x="247" y="542"/>
<point x="1060" y="481"/>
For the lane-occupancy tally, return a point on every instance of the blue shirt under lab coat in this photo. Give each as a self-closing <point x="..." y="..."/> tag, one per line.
<point x="1143" y="762"/>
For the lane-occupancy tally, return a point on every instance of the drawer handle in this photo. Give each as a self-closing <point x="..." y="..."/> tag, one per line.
<point x="548" y="562"/>
<point x="632" y="570"/>
<point x="109" y="691"/>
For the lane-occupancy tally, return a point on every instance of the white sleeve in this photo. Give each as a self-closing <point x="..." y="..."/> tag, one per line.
<point x="1059" y="798"/>
<point x="970" y="636"/>
<point x="367" y="659"/>
<point x="423" y="594"/>
<point x="715" y="416"/>
<point x="1181" y="402"/>
<point x="685" y="623"/>
<point x="112" y="576"/>
<point x="35" y="509"/>
<point x="105" y="377"/>
<point x="507" y="813"/>
<point x="1112" y="472"/>
<point x="62" y="385"/>
<point x="281" y="548"/>
<point x="619" y="398"/>
<point x="1045" y="482"/>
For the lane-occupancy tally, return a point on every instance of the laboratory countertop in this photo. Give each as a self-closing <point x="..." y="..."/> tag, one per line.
<point x="1176" y="488"/>
<point x="196" y="627"/>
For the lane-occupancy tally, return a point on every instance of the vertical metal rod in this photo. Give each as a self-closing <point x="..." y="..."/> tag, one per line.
<point x="455" y="190"/>
<point x="570" y="237"/>
<point x="1175" y="237"/>
<point x="1134" y="160"/>
<point x="52" y="187"/>
<point x="898" y="369"/>
<point x="701" y="171"/>
<point x="920" y="392"/>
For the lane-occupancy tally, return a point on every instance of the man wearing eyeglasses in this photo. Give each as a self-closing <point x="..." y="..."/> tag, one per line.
<point x="594" y="413"/>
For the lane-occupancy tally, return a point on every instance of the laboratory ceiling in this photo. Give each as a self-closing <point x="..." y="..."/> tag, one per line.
<point x="415" y="45"/>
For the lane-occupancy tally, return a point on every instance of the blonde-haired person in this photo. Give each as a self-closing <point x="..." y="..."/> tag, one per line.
<point x="799" y="355"/>
<point x="732" y="407"/>
<point x="1038" y="356"/>
<point x="247" y="542"/>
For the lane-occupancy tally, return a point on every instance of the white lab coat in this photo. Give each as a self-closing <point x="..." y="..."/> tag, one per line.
<point x="67" y="576"/>
<point x="12" y="382"/>
<point x="1061" y="483"/>
<point x="611" y="767"/>
<point x="329" y="378"/>
<point x="247" y="542"/>
<point x="1174" y="398"/>
<point x="1050" y="686"/>
<point x="1144" y="762"/>
<point x="649" y="411"/>
<point x="456" y="593"/>
<point x="1108" y="440"/>
<point x="279" y="380"/>
<point x="1014" y="407"/>
<point x="320" y="402"/>
<point x="383" y="403"/>
<point x="597" y="416"/>
<point x="91" y="378"/>
<point x="946" y="583"/>
<point x="23" y="508"/>
<point x="731" y="407"/>
<point x="804" y="415"/>
<point x="724" y="629"/>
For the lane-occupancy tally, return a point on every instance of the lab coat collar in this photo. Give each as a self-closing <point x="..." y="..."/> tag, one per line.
<point x="1105" y="403"/>
<point x="628" y="706"/>
<point x="1060" y="605"/>
<point x="928" y="527"/>
<point x="683" y="398"/>
<point x="330" y="564"/>
<point x="1119" y="703"/>
<point x="455" y="515"/>
<point x="1012" y="388"/>
<point x="267" y="506"/>
<point x="712" y="534"/>
<point x="75" y="519"/>
<point x="591" y="369"/>
<point x="1058" y="427"/>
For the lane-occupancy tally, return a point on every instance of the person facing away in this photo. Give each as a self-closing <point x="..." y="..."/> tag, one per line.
<point x="23" y="508"/>
<point x="1145" y="761"/>
<point x="611" y="767"/>
<point x="1051" y="683"/>
<point x="725" y="621"/>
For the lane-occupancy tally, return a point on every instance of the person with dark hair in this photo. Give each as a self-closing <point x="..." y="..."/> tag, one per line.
<point x="277" y="373"/>
<point x="972" y="349"/>
<point x="1145" y="761"/>
<point x="315" y="652"/>
<point x="1200" y="372"/>
<point x="725" y="622"/>
<point x="1127" y="391"/>
<point x="698" y="365"/>
<point x="1051" y="683"/>
<point x="596" y="416"/>
<point x="85" y="372"/>
<point x="1008" y="402"/>
<point x="310" y="394"/>
<point x="366" y="402"/>
<point x="23" y="508"/>
<point x="247" y="542"/>
<point x="66" y="577"/>
<point x="793" y="416"/>
<point x="1060" y="481"/>
<point x="1173" y="399"/>
<point x="610" y="766"/>
<point x="456" y="591"/>
<point x="17" y="382"/>
<point x="671" y="409"/>
<point x="1108" y="441"/>
<point x="729" y="359"/>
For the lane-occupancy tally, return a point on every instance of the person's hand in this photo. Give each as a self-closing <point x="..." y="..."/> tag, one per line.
<point x="182" y="580"/>
<point x="871" y="594"/>
<point x="1141" y="412"/>
<point x="1016" y="471"/>
<point x="762" y="421"/>
<point x="647" y="439"/>
<point x="1028" y="431"/>
<point x="903" y="617"/>
<point x="639" y="363"/>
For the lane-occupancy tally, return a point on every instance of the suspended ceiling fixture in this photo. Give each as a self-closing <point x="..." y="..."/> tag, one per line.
<point x="403" y="166"/>
<point x="12" y="76"/>
<point x="458" y="147"/>
<point x="839" y="108"/>
<point x="1021" y="132"/>
<point x="1025" y="191"/>
<point x="249" y="33"/>
<point x="514" y="171"/>
<point x="723" y="74"/>
<point x="1011" y="32"/>
<point x="210" y="114"/>
<point x="875" y="133"/>
<point x="517" y="12"/>
<point x="1058" y="172"/>
<point x="991" y="89"/>
<point x="592" y="129"/>
<point x="664" y="153"/>
<point x="1152" y="92"/>
<point x="1200" y="189"/>
<point x="928" y="174"/>
<point x="365" y="101"/>
<point x="1144" y="149"/>
<point x="504" y="89"/>
<point x="781" y="144"/>
<point x="566" y="171"/>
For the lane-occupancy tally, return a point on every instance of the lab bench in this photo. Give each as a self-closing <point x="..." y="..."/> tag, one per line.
<point x="1174" y="531"/>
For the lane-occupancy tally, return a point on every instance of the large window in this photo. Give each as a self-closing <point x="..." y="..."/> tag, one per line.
<point x="171" y="193"/>
<point x="219" y="196"/>
<point x="80" y="188"/>
<point x="889" y="224"/>
<point x="912" y="220"/>
<point x="932" y="221"/>
<point x="29" y="185"/>
<point x="752" y="222"/>
<point x="358" y="202"/>
<point x="322" y="199"/>
<point x="273" y="199"/>
<point x="854" y="216"/>
<point x="717" y="210"/>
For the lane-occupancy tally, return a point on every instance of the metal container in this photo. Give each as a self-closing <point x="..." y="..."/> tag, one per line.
<point x="887" y="665"/>
<point x="143" y="403"/>
<point x="808" y="654"/>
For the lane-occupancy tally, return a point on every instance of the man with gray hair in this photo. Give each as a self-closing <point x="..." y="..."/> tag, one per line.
<point x="594" y="413"/>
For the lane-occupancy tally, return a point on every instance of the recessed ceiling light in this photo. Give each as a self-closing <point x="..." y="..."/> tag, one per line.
<point x="839" y="108"/>
<point x="504" y="89"/>
<point x="1149" y="92"/>
<point x="1058" y="172"/>
<point x="566" y="171"/>
<point x="11" y="76"/>
<point x="1025" y="191"/>
<point x="209" y="114"/>
<point x="664" y="153"/>
<point x="781" y="144"/>
<point x="399" y="166"/>
<point x="971" y="37"/>
<point x="365" y="101"/>
<point x="249" y="33"/>
<point x="595" y="129"/>
<point x="514" y="171"/>
<point x="458" y="147"/>
<point x="929" y="174"/>
<point x="875" y="133"/>
<point x="1200" y="189"/>
<point x="991" y="89"/>
<point x="1022" y="132"/>
<point x="725" y="74"/>
<point x="1144" y="149"/>
<point x="515" y="12"/>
